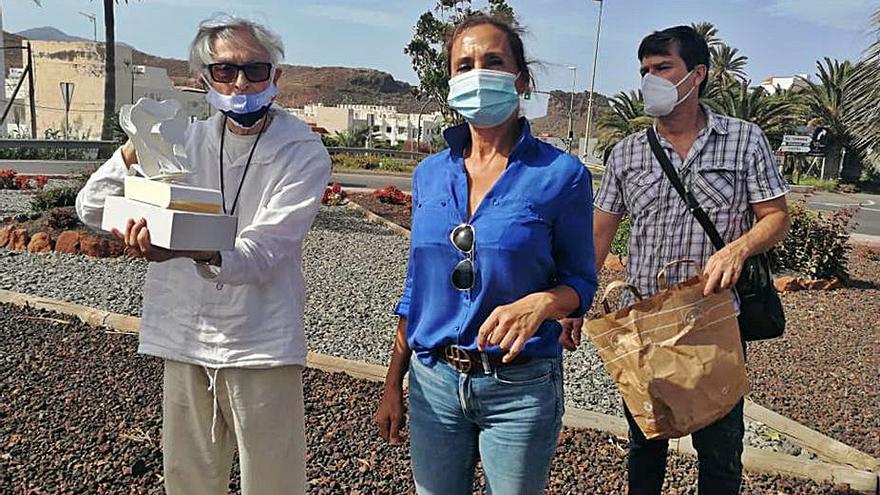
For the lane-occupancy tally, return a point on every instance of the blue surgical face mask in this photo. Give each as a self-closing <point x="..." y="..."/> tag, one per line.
<point x="485" y="98"/>
<point x="245" y="110"/>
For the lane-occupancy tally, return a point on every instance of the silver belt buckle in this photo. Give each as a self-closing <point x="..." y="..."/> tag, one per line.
<point x="458" y="358"/>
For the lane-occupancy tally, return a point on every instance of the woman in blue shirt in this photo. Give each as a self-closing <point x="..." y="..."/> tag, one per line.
<point x="501" y="248"/>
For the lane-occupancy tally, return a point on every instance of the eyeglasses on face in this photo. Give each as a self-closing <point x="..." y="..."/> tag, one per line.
<point x="225" y="72"/>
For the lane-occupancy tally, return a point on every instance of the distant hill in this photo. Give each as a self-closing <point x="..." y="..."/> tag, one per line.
<point x="48" y="33"/>
<point x="301" y="85"/>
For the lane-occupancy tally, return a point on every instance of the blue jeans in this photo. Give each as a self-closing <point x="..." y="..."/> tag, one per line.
<point x="509" y="419"/>
<point x="719" y="449"/>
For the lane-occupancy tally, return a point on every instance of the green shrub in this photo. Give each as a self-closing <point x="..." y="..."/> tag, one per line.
<point x="54" y="198"/>
<point x="369" y="162"/>
<point x="816" y="245"/>
<point x="620" y="243"/>
<point x="62" y="219"/>
<point x="822" y="185"/>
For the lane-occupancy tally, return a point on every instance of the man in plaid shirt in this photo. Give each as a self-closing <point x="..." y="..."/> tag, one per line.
<point x="728" y="165"/>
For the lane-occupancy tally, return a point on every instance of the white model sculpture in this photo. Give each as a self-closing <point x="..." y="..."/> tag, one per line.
<point x="157" y="130"/>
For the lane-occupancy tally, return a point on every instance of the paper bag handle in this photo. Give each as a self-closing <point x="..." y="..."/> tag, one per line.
<point x="617" y="284"/>
<point x="661" y="277"/>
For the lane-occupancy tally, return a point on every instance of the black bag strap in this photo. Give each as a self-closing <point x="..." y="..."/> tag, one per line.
<point x="691" y="202"/>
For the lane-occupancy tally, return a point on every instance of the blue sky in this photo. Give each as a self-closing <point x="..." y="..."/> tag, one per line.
<point x="780" y="37"/>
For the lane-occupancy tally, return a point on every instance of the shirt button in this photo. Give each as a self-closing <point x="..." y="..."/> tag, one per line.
<point x="496" y="202"/>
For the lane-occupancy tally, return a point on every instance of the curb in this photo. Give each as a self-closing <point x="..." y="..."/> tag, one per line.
<point x="754" y="459"/>
<point x="869" y="241"/>
<point x="378" y="219"/>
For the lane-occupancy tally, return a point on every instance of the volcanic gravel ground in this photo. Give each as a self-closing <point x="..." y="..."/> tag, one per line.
<point x="81" y="413"/>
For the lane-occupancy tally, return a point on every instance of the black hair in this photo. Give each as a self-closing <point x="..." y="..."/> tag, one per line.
<point x="687" y="43"/>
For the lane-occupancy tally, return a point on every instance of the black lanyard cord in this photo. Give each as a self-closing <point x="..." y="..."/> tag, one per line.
<point x="246" y="167"/>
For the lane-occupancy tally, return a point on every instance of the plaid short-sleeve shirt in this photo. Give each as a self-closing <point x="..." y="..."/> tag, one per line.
<point x="729" y="167"/>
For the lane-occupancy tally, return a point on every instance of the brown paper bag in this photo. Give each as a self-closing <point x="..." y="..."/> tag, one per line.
<point x="676" y="357"/>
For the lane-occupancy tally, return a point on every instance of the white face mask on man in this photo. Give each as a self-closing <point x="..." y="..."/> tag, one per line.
<point x="661" y="96"/>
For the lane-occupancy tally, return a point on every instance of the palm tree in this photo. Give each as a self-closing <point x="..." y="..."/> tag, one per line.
<point x="826" y="106"/>
<point x="772" y="113"/>
<point x="727" y="66"/>
<point x="107" y="130"/>
<point x="708" y="31"/>
<point x="862" y="112"/>
<point x="626" y="117"/>
<point x="354" y="138"/>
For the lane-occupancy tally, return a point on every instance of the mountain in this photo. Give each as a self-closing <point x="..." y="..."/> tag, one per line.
<point x="301" y="85"/>
<point x="48" y="33"/>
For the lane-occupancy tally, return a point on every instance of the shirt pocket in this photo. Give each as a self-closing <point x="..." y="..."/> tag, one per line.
<point x="643" y="190"/>
<point x="513" y="225"/>
<point x="715" y="185"/>
<point x="432" y="221"/>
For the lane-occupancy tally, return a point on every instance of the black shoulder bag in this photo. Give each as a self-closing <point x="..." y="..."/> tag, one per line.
<point x="760" y="311"/>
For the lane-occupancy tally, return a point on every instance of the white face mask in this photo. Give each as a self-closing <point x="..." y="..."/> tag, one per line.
<point x="661" y="96"/>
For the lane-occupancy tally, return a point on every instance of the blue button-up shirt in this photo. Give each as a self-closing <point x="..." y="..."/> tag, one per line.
<point x="533" y="232"/>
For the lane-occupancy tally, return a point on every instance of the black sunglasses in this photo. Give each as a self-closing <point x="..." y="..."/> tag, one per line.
<point x="225" y="72"/>
<point x="464" y="273"/>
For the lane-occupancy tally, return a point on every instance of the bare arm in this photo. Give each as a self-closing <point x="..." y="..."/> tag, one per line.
<point x="604" y="228"/>
<point x="725" y="266"/>
<point x="390" y="416"/>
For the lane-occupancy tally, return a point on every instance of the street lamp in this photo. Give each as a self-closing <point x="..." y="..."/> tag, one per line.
<point x="134" y="69"/>
<point x="592" y="85"/>
<point x="573" y="70"/>
<point x="94" y="19"/>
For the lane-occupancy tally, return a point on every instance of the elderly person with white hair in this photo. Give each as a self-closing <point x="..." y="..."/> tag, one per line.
<point x="229" y="325"/>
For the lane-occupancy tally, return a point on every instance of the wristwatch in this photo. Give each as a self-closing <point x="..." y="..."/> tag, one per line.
<point x="214" y="260"/>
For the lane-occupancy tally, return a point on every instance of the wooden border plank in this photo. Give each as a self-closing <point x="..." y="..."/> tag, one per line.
<point x="823" y="445"/>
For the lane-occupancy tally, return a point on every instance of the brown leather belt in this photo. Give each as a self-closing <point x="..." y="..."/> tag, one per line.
<point x="465" y="361"/>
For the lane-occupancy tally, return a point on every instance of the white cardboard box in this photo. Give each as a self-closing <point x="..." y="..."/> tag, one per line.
<point x="173" y="229"/>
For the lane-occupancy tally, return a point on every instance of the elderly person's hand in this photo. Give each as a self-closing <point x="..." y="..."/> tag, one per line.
<point x="137" y="239"/>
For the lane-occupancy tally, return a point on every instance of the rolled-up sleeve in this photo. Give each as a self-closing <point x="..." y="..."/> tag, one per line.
<point x="763" y="178"/>
<point x="402" y="307"/>
<point x="573" y="242"/>
<point x="610" y="197"/>
<point x="280" y="224"/>
<point x="108" y="180"/>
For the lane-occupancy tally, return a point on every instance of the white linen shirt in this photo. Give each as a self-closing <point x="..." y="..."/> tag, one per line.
<point x="249" y="311"/>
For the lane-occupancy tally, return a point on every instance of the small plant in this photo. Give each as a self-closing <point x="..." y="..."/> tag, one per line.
<point x="620" y="243"/>
<point x="62" y="219"/>
<point x="391" y="194"/>
<point x="54" y="198"/>
<point x="334" y="195"/>
<point x="816" y="245"/>
<point x="10" y="179"/>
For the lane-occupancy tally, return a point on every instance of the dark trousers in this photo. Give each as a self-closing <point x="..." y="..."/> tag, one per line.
<point x="719" y="447"/>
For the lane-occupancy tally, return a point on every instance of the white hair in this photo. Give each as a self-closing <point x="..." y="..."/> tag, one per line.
<point x="228" y="27"/>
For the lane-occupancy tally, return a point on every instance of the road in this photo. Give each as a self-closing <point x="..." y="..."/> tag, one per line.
<point x="868" y="217"/>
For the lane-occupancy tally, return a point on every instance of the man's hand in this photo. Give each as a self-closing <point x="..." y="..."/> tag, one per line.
<point x="137" y="239"/>
<point x="570" y="338"/>
<point x="724" y="268"/>
<point x="391" y="415"/>
<point x="129" y="155"/>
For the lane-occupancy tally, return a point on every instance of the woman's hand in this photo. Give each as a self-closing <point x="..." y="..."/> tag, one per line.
<point x="391" y="415"/>
<point x="510" y="326"/>
<point x="570" y="338"/>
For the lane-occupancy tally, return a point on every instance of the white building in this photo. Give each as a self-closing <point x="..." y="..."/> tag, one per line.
<point x="81" y="64"/>
<point x="386" y="123"/>
<point x="772" y="83"/>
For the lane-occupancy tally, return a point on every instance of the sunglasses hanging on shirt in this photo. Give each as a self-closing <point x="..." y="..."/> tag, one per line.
<point x="464" y="273"/>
